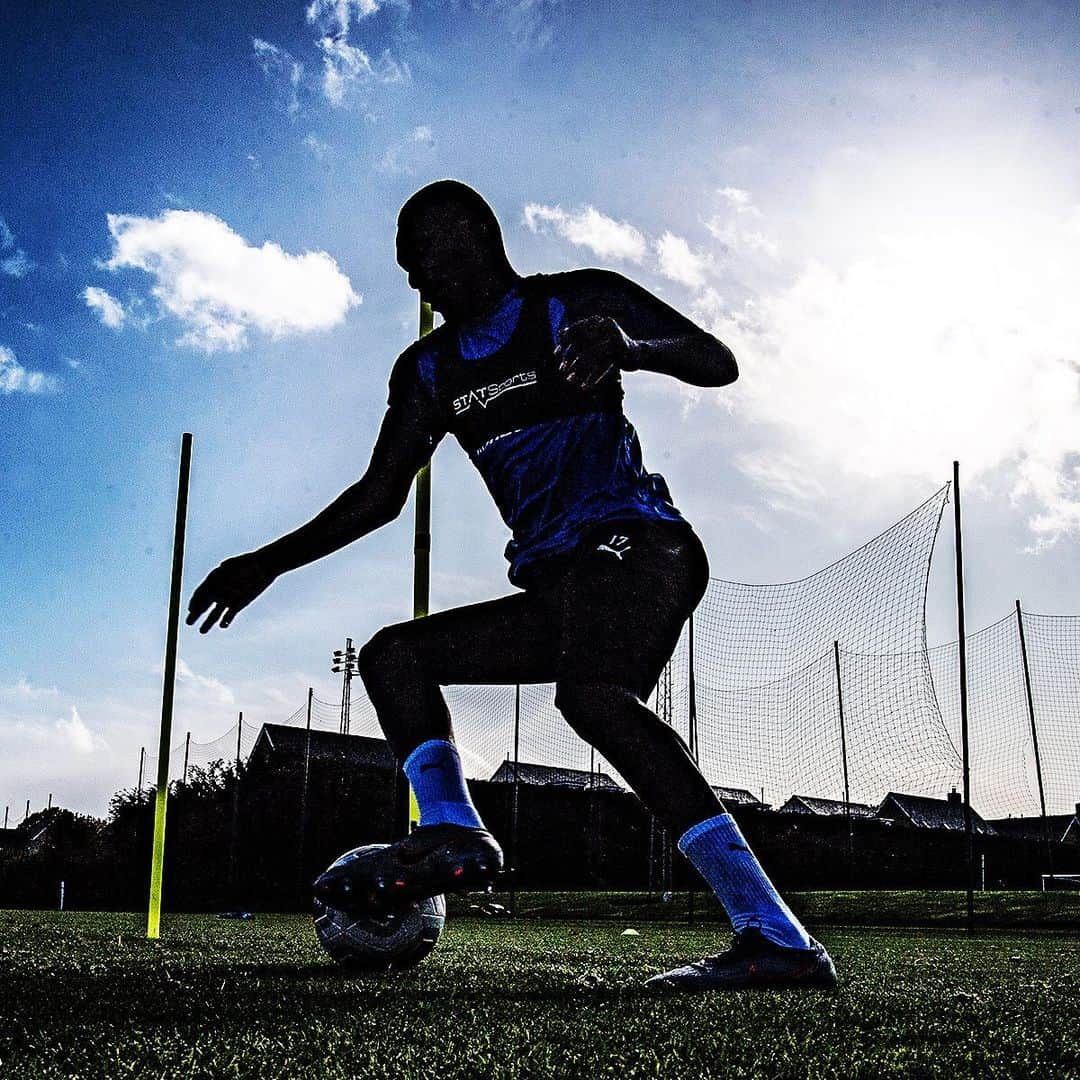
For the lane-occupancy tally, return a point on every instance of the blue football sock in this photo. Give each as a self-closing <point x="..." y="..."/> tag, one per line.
<point x="434" y="770"/>
<point x="718" y="852"/>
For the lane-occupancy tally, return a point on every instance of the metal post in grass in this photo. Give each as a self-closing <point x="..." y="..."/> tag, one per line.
<point x="1034" y="739"/>
<point x="514" y="801"/>
<point x="843" y="758"/>
<point x="304" y="795"/>
<point x="421" y="579"/>
<point x="961" y="639"/>
<point x="161" y="794"/>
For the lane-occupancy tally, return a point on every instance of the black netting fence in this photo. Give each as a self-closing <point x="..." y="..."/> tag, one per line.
<point x="791" y="682"/>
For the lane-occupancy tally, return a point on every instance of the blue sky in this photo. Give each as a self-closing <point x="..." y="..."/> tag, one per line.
<point x="879" y="211"/>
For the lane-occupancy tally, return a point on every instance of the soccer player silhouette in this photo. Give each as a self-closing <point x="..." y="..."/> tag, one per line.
<point x="526" y="373"/>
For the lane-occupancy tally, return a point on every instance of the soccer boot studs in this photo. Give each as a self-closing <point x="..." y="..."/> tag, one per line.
<point x="433" y="859"/>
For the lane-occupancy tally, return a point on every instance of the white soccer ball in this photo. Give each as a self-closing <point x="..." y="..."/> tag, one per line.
<point x="378" y="940"/>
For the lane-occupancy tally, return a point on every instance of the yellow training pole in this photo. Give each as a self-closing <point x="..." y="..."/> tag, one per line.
<point x="153" y="916"/>
<point x="422" y="543"/>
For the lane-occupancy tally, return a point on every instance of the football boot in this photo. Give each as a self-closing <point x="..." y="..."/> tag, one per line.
<point x="752" y="961"/>
<point x="430" y="861"/>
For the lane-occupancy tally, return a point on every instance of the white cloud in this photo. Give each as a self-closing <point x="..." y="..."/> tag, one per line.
<point x="318" y="148"/>
<point x="282" y="70"/>
<point x="76" y="735"/>
<point x="338" y="14"/>
<point x="23" y="691"/>
<point x="739" y="200"/>
<point x="414" y="152"/>
<point x="587" y="227"/>
<point x="14" y="262"/>
<point x="728" y="224"/>
<point x="676" y="260"/>
<point x="953" y="334"/>
<point x="15" y="379"/>
<point x="345" y="65"/>
<point x="220" y="287"/>
<point x="109" y="309"/>
<point x="529" y="21"/>
<point x="204" y="687"/>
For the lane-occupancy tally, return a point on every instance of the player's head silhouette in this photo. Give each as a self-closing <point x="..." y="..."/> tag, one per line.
<point x="450" y="244"/>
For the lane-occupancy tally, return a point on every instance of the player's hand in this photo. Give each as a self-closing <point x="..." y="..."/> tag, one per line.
<point x="229" y="589"/>
<point x="589" y="349"/>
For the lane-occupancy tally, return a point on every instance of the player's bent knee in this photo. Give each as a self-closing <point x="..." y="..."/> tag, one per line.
<point x="383" y="653"/>
<point x="591" y="705"/>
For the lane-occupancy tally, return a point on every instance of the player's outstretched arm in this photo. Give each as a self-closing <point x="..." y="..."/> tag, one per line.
<point x="374" y="500"/>
<point x="611" y="322"/>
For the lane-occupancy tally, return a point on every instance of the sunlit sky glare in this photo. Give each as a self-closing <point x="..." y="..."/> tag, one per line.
<point x="876" y="207"/>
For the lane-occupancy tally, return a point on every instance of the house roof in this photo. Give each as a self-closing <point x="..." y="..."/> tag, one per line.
<point x="553" y="776"/>
<point x="736" y="796"/>
<point x="927" y="813"/>
<point x="1061" y="826"/>
<point x="810" y="804"/>
<point x="282" y="740"/>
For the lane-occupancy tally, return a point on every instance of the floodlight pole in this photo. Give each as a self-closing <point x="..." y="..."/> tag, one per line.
<point x="161" y="795"/>
<point x="1034" y="739"/>
<point x="962" y="654"/>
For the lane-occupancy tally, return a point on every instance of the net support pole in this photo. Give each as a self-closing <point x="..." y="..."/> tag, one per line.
<point x="405" y="796"/>
<point x="514" y="800"/>
<point x="422" y="525"/>
<point x="844" y="758"/>
<point x="161" y="795"/>
<point x="1034" y="739"/>
<point x="961" y="640"/>
<point x="187" y="753"/>
<point x="234" y="829"/>
<point x="691" y="731"/>
<point x="142" y="765"/>
<point x="304" y="796"/>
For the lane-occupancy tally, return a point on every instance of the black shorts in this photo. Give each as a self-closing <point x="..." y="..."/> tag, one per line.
<point x="610" y="611"/>
<point x="620" y="599"/>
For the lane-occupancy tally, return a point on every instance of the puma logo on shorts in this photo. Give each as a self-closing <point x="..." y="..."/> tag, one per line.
<point x="618" y="545"/>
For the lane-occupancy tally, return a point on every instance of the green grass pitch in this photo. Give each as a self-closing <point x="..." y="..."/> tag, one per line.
<point x="84" y="995"/>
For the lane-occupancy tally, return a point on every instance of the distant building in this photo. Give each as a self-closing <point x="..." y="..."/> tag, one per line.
<point x="283" y="746"/>
<point x="733" y="796"/>
<point x="809" y="804"/>
<point x="920" y="812"/>
<point x="552" y="776"/>
<point x="1063" y="828"/>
